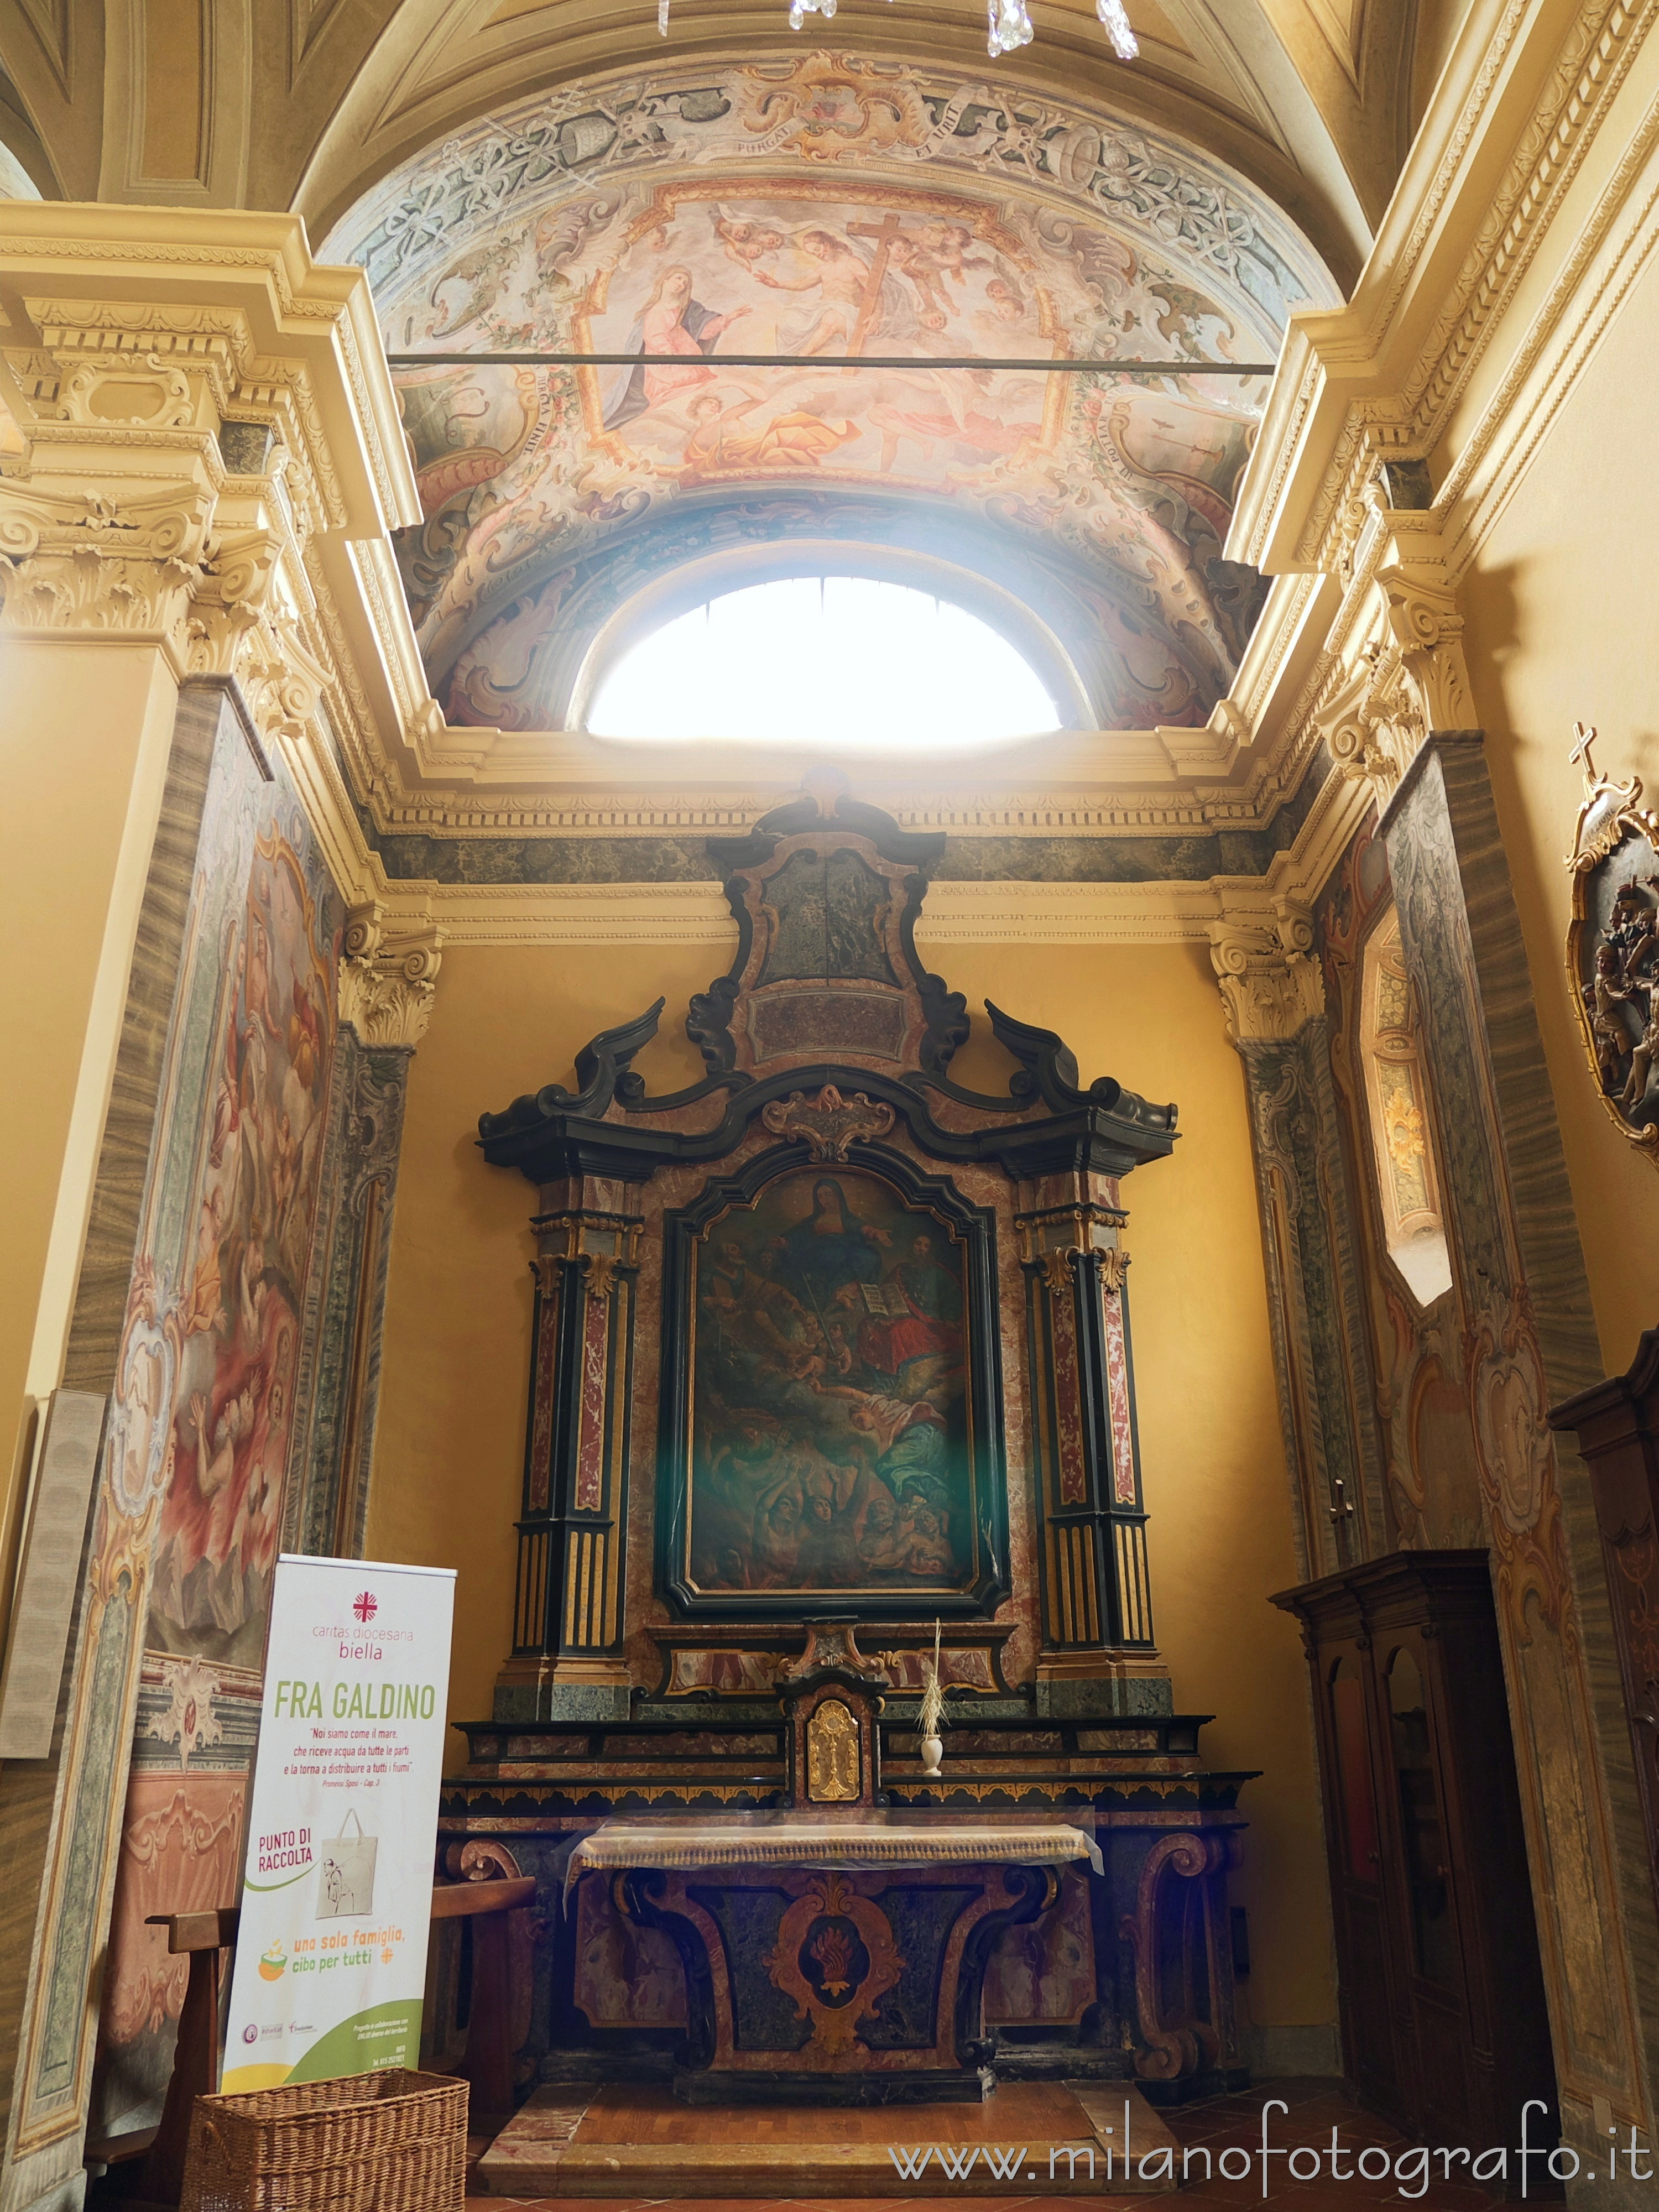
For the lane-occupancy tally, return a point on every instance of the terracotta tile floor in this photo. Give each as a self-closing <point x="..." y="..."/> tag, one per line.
<point x="1315" y="2108"/>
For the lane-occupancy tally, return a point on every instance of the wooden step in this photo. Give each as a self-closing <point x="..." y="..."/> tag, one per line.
<point x="633" y="2140"/>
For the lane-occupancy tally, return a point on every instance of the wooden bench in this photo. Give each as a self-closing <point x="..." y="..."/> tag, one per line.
<point x="488" y="1891"/>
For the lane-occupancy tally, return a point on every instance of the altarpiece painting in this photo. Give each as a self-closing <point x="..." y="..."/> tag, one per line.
<point x="832" y="1431"/>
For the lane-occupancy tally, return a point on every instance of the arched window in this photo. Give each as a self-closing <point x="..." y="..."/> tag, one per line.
<point x="849" y="661"/>
<point x="1397" y="1096"/>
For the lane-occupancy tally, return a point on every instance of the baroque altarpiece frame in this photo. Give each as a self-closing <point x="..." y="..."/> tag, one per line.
<point x="827" y="1332"/>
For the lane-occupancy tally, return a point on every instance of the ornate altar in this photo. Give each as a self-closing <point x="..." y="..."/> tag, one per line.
<point x="829" y="1348"/>
<point x="874" y="1932"/>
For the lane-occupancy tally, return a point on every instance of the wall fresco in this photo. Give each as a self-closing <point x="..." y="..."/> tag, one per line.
<point x="255" y="1165"/>
<point x="210" y="1412"/>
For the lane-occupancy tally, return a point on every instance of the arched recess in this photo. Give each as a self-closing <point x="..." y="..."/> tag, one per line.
<point x="536" y="664"/>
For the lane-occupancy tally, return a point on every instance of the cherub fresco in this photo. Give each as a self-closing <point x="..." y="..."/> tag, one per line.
<point x="696" y="277"/>
<point x="796" y="439"/>
<point x="850" y="279"/>
<point x="830" y="1431"/>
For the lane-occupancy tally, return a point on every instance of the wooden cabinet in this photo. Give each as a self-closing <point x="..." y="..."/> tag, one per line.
<point x="1443" y="2024"/>
<point x="1617" y="1425"/>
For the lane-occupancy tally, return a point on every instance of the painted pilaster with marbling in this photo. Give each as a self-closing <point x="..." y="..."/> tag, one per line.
<point x="1098" y="1654"/>
<point x="1275" y="1013"/>
<point x="567" y="1660"/>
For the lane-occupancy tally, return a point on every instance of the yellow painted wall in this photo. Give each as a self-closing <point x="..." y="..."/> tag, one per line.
<point x="1560" y="626"/>
<point x="450" y="1441"/>
<point x="85" y="732"/>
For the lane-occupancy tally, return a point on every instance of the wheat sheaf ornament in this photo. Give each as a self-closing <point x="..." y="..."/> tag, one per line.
<point x="930" y="1722"/>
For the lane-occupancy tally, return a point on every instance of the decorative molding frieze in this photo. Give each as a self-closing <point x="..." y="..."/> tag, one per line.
<point x="1169" y="912"/>
<point x="198" y="477"/>
<point x="1608" y="256"/>
<point x="1505" y="136"/>
<point x="388" y="976"/>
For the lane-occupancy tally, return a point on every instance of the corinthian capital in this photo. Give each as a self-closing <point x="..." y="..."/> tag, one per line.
<point x="1268" y="976"/>
<point x="93" y="560"/>
<point x="388" y="975"/>
<point x="1402" y="672"/>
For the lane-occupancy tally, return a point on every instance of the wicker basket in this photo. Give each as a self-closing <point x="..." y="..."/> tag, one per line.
<point x="393" y="2141"/>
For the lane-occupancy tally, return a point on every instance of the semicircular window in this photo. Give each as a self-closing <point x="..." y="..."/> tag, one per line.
<point x="824" y="660"/>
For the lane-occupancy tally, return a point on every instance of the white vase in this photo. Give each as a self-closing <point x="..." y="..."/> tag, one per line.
<point x="932" y="1750"/>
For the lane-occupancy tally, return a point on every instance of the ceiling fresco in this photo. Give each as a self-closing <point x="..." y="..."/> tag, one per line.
<point x="819" y="205"/>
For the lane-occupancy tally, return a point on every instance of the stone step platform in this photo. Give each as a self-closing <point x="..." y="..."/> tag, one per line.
<point x="635" y="2141"/>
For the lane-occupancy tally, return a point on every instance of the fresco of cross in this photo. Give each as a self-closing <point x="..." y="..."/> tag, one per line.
<point x="885" y="233"/>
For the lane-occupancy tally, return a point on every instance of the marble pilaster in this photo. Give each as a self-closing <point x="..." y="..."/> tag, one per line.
<point x="1531" y="1339"/>
<point x="1275" y="1012"/>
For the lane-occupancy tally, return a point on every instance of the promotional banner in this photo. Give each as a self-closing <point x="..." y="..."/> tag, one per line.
<point x="336" y="1894"/>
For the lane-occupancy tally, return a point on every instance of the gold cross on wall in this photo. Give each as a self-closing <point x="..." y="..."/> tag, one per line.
<point x="1585" y="733"/>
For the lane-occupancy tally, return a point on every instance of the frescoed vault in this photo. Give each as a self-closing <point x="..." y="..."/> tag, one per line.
<point x="815" y="208"/>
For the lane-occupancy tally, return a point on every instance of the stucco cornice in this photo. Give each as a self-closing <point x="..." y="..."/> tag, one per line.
<point x="1511" y="125"/>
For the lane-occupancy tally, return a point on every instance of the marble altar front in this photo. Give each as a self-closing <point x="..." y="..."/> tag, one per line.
<point x="1127" y="1974"/>
<point x="833" y="1958"/>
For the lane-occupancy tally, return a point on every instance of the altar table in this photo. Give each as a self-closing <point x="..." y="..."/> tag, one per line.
<point x="833" y="1958"/>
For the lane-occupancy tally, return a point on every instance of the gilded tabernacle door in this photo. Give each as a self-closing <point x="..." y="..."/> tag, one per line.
<point x="831" y="1413"/>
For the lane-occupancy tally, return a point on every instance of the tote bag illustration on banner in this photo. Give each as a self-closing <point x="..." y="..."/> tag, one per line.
<point x="346" y="1876"/>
